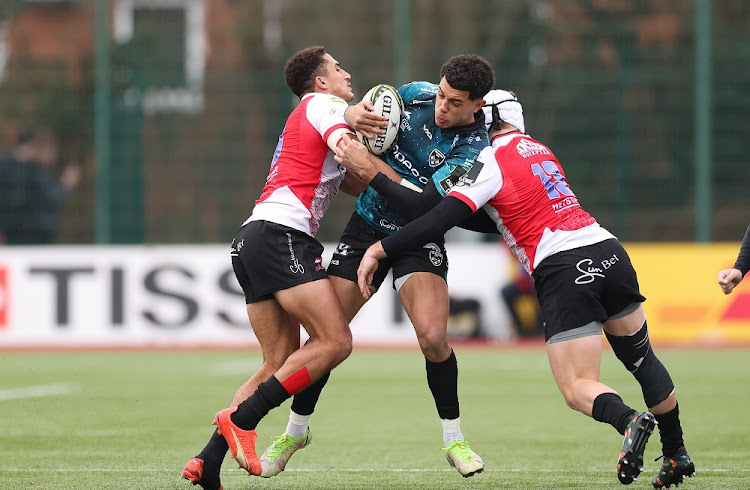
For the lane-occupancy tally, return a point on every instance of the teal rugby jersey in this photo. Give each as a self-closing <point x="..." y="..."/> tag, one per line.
<point x="423" y="152"/>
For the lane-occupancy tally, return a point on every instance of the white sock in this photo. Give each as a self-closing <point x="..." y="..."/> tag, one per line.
<point x="298" y="424"/>
<point x="451" y="430"/>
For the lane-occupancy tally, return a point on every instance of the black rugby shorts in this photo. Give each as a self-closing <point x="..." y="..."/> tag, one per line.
<point x="268" y="257"/>
<point x="584" y="285"/>
<point x="357" y="238"/>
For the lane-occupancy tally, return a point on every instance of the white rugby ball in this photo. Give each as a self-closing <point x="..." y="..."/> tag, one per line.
<point x="387" y="102"/>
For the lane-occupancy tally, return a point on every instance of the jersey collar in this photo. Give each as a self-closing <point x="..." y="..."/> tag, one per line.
<point x="504" y="139"/>
<point x="477" y="124"/>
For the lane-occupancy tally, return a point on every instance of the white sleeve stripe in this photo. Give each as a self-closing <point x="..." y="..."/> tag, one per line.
<point x="335" y="136"/>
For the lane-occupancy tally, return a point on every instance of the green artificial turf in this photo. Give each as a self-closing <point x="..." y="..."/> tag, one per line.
<point x="99" y="420"/>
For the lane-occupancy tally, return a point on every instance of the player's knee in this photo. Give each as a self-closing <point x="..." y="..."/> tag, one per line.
<point x="636" y="354"/>
<point x="342" y="348"/>
<point x="570" y="398"/>
<point x="572" y="388"/>
<point x="631" y="349"/>
<point x="333" y="348"/>
<point x="433" y="342"/>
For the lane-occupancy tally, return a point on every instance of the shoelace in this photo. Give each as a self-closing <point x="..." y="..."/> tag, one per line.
<point x="279" y="445"/>
<point x="461" y="449"/>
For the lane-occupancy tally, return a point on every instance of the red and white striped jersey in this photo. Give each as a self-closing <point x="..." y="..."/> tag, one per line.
<point x="304" y="178"/>
<point x="522" y="186"/>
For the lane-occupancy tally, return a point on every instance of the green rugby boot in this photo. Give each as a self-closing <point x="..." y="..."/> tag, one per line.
<point x="461" y="457"/>
<point x="274" y="459"/>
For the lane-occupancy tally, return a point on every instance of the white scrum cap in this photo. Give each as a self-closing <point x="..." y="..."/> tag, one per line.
<point x="505" y="106"/>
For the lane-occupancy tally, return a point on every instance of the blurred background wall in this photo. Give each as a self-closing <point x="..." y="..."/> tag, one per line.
<point x="173" y="107"/>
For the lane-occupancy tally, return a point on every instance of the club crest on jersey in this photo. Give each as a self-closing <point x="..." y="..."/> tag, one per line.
<point x="436" y="158"/>
<point x="436" y="254"/>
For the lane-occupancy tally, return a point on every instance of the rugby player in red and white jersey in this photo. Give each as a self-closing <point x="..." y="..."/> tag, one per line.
<point x="278" y="263"/>
<point x="583" y="277"/>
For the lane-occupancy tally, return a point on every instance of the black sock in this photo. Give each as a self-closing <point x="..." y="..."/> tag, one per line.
<point x="442" y="378"/>
<point x="269" y="395"/>
<point x="212" y="456"/>
<point x="304" y="402"/>
<point x="670" y="432"/>
<point x="216" y="448"/>
<point x="610" y="409"/>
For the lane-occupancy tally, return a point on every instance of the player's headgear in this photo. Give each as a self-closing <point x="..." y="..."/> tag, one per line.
<point x="502" y="105"/>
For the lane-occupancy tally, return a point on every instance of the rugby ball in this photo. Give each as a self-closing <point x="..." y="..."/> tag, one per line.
<point x="387" y="102"/>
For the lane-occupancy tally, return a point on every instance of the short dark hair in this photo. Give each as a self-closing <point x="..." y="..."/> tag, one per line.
<point x="470" y="73"/>
<point x="302" y="68"/>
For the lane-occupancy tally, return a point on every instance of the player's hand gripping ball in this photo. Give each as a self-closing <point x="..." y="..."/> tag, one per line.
<point x="387" y="102"/>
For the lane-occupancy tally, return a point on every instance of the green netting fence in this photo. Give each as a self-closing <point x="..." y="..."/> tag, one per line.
<point x="173" y="108"/>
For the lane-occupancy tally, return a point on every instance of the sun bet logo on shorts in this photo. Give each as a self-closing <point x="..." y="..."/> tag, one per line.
<point x="4" y="297"/>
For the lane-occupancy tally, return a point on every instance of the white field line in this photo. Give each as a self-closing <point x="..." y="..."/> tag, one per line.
<point x="328" y="470"/>
<point x="37" y="391"/>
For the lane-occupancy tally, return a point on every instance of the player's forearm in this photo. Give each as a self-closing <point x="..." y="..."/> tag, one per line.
<point x="480" y="222"/>
<point x="429" y="228"/>
<point x="743" y="259"/>
<point x="357" y="160"/>
<point x="352" y="185"/>
<point x="409" y="202"/>
<point x="379" y="166"/>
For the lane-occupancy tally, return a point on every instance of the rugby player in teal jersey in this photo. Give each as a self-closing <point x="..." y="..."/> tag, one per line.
<point x="441" y="134"/>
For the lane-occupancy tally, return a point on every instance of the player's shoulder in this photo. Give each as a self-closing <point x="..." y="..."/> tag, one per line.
<point x="319" y="99"/>
<point x="474" y="136"/>
<point x="416" y="92"/>
<point x="511" y="140"/>
<point x="523" y="144"/>
<point x="320" y="106"/>
<point x="487" y="154"/>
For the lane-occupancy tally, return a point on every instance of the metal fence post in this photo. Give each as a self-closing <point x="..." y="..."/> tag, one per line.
<point x="703" y="135"/>
<point x="102" y="232"/>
